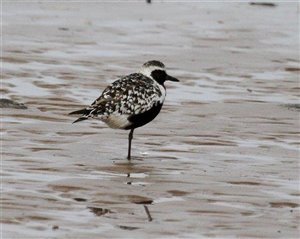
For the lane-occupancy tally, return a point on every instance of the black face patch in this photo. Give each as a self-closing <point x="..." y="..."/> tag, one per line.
<point x="159" y="75"/>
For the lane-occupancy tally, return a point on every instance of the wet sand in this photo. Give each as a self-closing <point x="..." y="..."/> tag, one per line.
<point x="222" y="158"/>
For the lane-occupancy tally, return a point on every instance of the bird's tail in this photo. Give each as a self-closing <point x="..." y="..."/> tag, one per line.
<point x="85" y="114"/>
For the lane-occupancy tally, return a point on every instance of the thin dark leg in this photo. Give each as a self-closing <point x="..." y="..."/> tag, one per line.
<point x="129" y="143"/>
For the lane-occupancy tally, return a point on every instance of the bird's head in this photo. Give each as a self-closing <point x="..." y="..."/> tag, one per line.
<point x="156" y="71"/>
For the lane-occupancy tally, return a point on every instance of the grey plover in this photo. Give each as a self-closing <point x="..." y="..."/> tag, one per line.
<point x="131" y="101"/>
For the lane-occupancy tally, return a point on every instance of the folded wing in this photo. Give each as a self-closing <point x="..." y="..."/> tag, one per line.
<point x="131" y="95"/>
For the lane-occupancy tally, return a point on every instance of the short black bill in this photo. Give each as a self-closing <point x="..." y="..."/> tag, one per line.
<point x="171" y="78"/>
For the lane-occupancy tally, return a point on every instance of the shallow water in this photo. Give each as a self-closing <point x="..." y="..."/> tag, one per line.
<point x="222" y="158"/>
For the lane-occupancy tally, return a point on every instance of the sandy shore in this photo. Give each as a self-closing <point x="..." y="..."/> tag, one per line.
<point x="222" y="158"/>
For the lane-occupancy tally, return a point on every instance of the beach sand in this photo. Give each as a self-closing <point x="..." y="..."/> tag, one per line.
<point x="221" y="159"/>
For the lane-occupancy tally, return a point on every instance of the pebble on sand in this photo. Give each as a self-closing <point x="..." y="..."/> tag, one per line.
<point x="6" y="103"/>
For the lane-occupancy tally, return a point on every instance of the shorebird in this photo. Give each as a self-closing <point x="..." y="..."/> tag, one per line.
<point x="131" y="101"/>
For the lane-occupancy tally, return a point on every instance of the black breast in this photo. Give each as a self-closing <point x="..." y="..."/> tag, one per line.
<point x="144" y="118"/>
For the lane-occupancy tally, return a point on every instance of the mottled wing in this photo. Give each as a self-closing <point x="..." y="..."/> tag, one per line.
<point x="133" y="94"/>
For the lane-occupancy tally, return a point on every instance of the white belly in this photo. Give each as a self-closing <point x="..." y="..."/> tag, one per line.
<point x="116" y="121"/>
